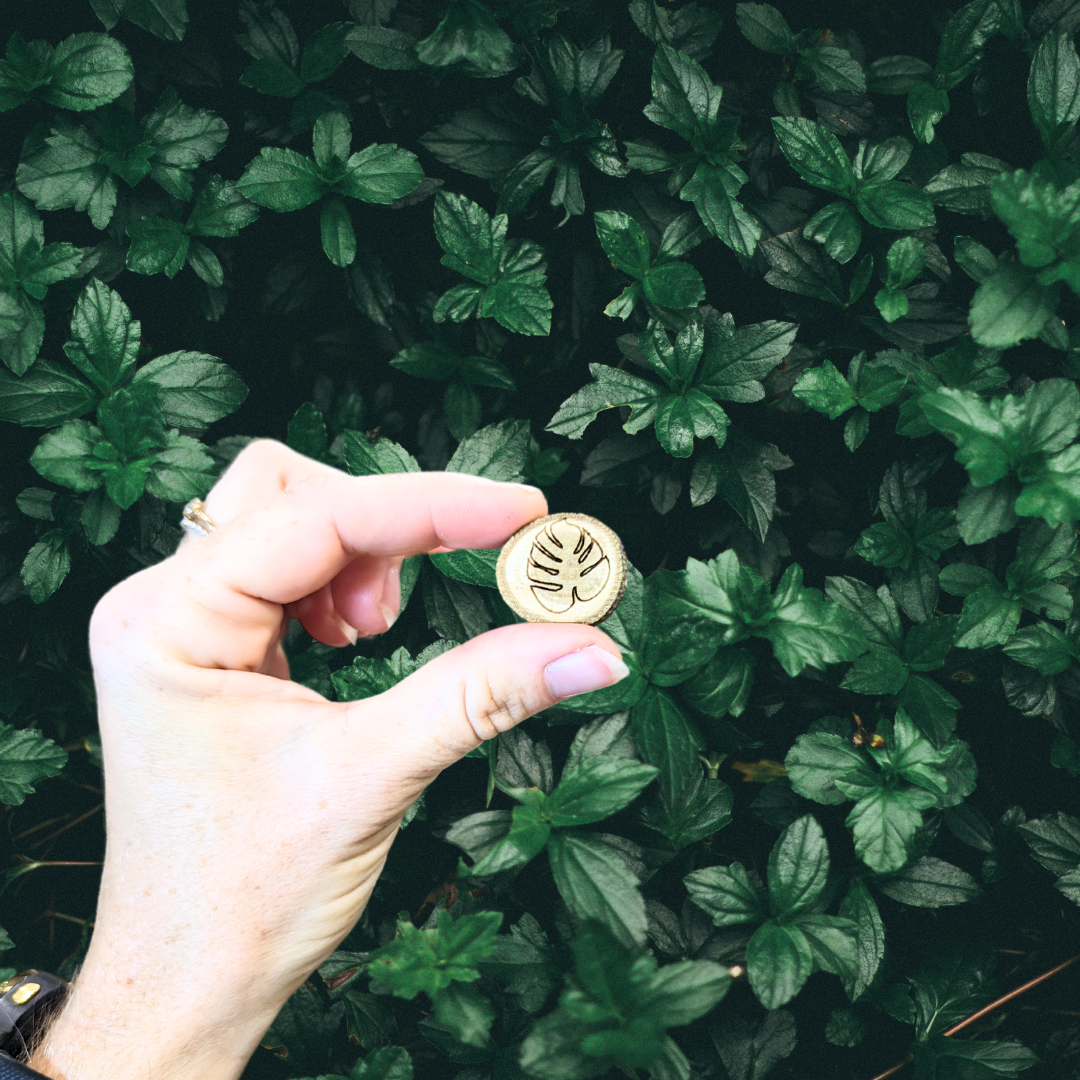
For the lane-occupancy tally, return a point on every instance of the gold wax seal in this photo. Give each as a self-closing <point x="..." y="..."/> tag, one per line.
<point x="565" y="568"/>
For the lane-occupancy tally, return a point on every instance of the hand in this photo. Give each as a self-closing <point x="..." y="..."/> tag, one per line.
<point x="248" y="817"/>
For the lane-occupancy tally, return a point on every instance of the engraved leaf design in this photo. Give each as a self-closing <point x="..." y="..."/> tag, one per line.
<point x="567" y="565"/>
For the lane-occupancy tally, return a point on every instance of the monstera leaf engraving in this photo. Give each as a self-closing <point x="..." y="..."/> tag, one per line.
<point x="567" y="566"/>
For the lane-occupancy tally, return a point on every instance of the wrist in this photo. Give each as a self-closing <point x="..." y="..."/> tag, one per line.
<point x="124" y="1021"/>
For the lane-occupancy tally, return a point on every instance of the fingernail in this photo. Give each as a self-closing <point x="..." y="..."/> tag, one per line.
<point x="579" y="672"/>
<point x="530" y="487"/>
<point x="349" y="631"/>
<point x="390" y="604"/>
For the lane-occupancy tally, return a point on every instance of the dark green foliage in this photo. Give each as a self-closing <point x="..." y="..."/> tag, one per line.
<point x="788" y="296"/>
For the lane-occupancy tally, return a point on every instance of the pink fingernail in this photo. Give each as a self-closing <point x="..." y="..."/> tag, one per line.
<point x="579" y="672"/>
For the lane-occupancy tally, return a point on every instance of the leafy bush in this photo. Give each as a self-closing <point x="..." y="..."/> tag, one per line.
<point x="788" y="298"/>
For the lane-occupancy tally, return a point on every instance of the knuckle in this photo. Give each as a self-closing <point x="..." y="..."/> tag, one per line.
<point x="115" y="612"/>
<point x="491" y="710"/>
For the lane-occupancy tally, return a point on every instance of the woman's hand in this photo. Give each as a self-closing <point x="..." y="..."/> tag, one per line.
<point x="249" y="818"/>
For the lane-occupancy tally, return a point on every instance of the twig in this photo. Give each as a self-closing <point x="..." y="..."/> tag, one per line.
<point x="1010" y="995"/>
<point x="63" y="828"/>
<point x="41" y="825"/>
<point x="68" y="918"/>
<point x="996" y="1004"/>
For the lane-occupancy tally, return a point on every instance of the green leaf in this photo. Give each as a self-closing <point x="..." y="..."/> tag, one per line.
<point x="931" y="707"/>
<point x="380" y="173"/>
<point x="683" y="95"/>
<point x="181" y="470"/>
<point x="427" y="961"/>
<point x="927" y="106"/>
<point x="667" y="739"/>
<point x="624" y="242"/>
<point x="964" y="187"/>
<point x="798" y="266"/>
<point x="816" y="154"/>
<point x="372" y="457"/>
<point x="723" y="685"/>
<point x="930" y="883"/>
<point x="964" y="36"/>
<point x="884" y="822"/>
<point x="46" y="395"/>
<point x="727" y="894"/>
<point x="512" y="271"/>
<point x="762" y="25"/>
<point x="158" y="246"/>
<point x="44" y="569"/>
<point x="999" y="1057"/>
<point x="1010" y="306"/>
<point x="595" y="883"/>
<point x="26" y="757"/>
<point x="281" y="179"/>
<point x="62" y="456"/>
<point x="383" y="47"/>
<point x="596" y="789"/>
<point x="825" y="390"/>
<point x="616" y="1007"/>
<point x="468" y="35"/>
<point x="778" y="961"/>
<point x="166" y="19"/>
<point x="701" y="808"/>
<point x="807" y="630"/>
<point x="875" y="612"/>
<point x="193" y="390"/>
<point x="323" y="52"/>
<point x="859" y="906"/>
<point x="385" y="1063"/>
<point x="897" y="74"/>
<point x="336" y="228"/>
<point x="817" y="761"/>
<point x="472" y="567"/>
<point x="63" y="170"/>
<point x="105" y="338"/>
<point x="951" y="984"/>
<point x="752" y="1053"/>
<point x="798" y="867"/>
<point x="611" y="389"/>
<point x="989" y="618"/>
<point x="879" y="671"/>
<point x="712" y="191"/>
<point x="1042" y="647"/>
<point x="895" y="205"/>
<point x="497" y="452"/>
<point x="87" y="71"/>
<point x="220" y="210"/>
<point x="837" y="227"/>
<point x="270" y="75"/>
<point x="526" y="838"/>
<point x="836" y="70"/>
<point x="1053" y="88"/>
<point x="1054" y="842"/>
<point x="183" y="138"/>
<point x="986" y="512"/>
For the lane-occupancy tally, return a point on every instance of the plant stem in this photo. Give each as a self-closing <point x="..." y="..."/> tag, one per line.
<point x="986" y="1009"/>
<point x="63" y="828"/>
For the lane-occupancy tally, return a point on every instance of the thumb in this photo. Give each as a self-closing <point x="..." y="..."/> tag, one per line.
<point x="487" y="686"/>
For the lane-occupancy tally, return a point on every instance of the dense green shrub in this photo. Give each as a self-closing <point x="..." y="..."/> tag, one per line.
<point x="786" y="297"/>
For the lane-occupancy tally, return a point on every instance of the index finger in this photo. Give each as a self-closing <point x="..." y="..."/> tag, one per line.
<point x="225" y="590"/>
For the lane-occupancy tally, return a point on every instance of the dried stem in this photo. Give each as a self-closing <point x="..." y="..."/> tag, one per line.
<point x="996" y="1004"/>
<point x="64" y="828"/>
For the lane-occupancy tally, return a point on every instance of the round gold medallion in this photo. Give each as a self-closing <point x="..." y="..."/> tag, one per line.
<point x="564" y="568"/>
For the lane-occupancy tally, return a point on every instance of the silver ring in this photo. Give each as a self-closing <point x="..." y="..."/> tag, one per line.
<point x="195" y="520"/>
